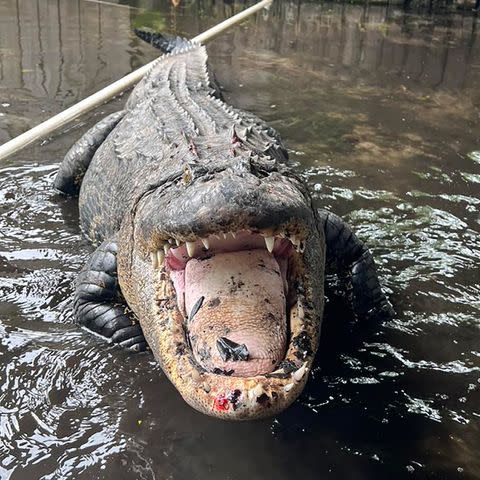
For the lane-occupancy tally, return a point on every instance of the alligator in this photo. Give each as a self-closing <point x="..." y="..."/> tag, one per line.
<point x="209" y="251"/>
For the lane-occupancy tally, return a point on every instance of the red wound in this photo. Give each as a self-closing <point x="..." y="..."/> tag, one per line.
<point x="221" y="403"/>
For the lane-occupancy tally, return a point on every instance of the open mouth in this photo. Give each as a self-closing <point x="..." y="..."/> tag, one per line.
<point x="239" y="313"/>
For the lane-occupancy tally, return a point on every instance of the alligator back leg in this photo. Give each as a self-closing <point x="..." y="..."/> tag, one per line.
<point x="99" y="305"/>
<point x="74" y="165"/>
<point x="350" y="259"/>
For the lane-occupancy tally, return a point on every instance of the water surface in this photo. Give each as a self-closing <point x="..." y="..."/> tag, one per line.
<point x="381" y="112"/>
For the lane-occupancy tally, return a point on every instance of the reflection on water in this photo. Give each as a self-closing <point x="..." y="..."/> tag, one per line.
<point x="381" y="112"/>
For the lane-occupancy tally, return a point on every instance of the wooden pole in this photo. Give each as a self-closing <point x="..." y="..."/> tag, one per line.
<point x="63" y="118"/>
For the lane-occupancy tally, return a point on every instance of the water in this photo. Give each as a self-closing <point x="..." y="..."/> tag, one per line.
<point x="381" y="112"/>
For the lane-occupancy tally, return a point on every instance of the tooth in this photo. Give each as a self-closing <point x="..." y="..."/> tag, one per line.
<point x="224" y="236"/>
<point x="206" y="386"/>
<point x="257" y="391"/>
<point x="205" y="242"/>
<point x="298" y="375"/>
<point x="233" y="234"/>
<point x="295" y="240"/>
<point x="178" y="242"/>
<point x="300" y="311"/>
<point x="281" y="235"/>
<point x="288" y="387"/>
<point x="160" y="257"/>
<point x="153" y="258"/>
<point x="190" y="248"/>
<point x="270" y="241"/>
<point x="166" y="248"/>
<point x="196" y="376"/>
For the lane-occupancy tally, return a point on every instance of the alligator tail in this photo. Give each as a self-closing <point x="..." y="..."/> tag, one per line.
<point x="164" y="42"/>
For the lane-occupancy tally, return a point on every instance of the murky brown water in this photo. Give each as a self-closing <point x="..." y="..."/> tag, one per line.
<point x="381" y="110"/>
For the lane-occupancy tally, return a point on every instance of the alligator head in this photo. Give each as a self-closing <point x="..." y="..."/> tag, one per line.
<point x="224" y="270"/>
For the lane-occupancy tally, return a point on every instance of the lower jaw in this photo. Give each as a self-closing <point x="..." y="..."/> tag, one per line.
<point x="229" y="397"/>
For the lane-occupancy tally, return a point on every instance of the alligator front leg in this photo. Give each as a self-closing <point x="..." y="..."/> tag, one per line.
<point x="98" y="302"/>
<point x="74" y="165"/>
<point x="350" y="259"/>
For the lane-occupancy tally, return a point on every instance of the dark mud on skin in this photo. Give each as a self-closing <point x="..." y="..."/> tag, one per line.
<point x="381" y="112"/>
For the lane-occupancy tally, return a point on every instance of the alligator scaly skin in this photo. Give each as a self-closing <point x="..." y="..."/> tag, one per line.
<point x="175" y="127"/>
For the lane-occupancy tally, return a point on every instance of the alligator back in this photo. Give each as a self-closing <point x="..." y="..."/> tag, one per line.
<point x="175" y="127"/>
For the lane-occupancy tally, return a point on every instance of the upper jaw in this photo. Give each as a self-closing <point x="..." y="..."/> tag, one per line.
<point x="177" y="252"/>
<point x="224" y="203"/>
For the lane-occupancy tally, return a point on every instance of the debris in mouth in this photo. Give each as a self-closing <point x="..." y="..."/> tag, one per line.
<point x="219" y="371"/>
<point x="196" y="308"/>
<point x="230" y="350"/>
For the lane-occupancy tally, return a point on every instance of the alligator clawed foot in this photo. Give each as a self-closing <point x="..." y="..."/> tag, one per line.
<point x="99" y="305"/>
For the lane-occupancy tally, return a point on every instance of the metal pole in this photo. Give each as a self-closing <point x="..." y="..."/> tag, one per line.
<point x="52" y="124"/>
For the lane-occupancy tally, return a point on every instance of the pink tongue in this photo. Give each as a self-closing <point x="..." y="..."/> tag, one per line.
<point x="244" y="303"/>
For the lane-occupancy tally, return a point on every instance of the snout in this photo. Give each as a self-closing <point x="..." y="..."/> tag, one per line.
<point x="224" y="202"/>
